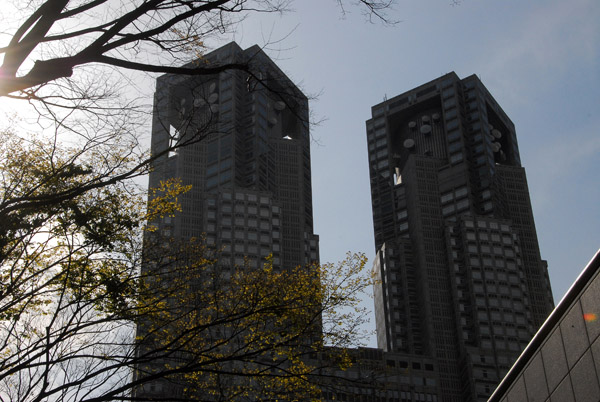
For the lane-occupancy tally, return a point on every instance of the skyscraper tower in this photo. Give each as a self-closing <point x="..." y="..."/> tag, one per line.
<point x="245" y="149"/>
<point x="240" y="138"/>
<point x="461" y="277"/>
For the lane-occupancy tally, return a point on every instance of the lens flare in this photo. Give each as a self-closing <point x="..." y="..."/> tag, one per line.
<point x="589" y="317"/>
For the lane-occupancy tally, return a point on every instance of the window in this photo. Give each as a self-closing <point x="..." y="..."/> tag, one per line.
<point x="456" y="158"/>
<point x="461" y="192"/>
<point x="225" y="176"/>
<point x="449" y="103"/>
<point x="380" y="121"/>
<point x="448" y="210"/>
<point x="463" y="204"/>
<point x="446" y="197"/>
<point x="451" y="113"/>
<point x="453" y="136"/>
<point x="454" y="147"/>
<point x="380" y="132"/>
<point x="452" y="124"/>
<point x="448" y="93"/>
<point x="211" y="170"/>
<point x="212" y="182"/>
<point x="381" y="142"/>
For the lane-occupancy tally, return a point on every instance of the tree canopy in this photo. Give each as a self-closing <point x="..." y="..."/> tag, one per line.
<point x="73" y="225"/>
<point x="72" y="293"/>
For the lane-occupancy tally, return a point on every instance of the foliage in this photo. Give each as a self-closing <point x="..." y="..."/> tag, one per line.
<point x="73" y="225"/>
<point x="68" y="259"/>
<point x="72" y="293"/>
<point x="250" y="334"/>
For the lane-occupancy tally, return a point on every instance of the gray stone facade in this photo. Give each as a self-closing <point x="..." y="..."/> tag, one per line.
<point x="562" y="362"/>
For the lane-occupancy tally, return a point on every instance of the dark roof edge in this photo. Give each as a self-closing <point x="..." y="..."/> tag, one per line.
<point x="538" y="339"/>
<point x="415" y="89"/>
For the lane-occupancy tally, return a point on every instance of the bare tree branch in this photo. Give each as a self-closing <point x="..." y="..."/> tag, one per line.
<point x="73" y="224"/>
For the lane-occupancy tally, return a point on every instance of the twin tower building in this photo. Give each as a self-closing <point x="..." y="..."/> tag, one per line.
<point x="462" y="287"/>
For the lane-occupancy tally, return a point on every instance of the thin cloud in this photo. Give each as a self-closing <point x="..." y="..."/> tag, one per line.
<point x="545" y="44"/>
<point x="571" y="155"/>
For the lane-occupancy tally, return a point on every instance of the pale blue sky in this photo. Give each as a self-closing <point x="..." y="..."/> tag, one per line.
<point x="539" y="59"/>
